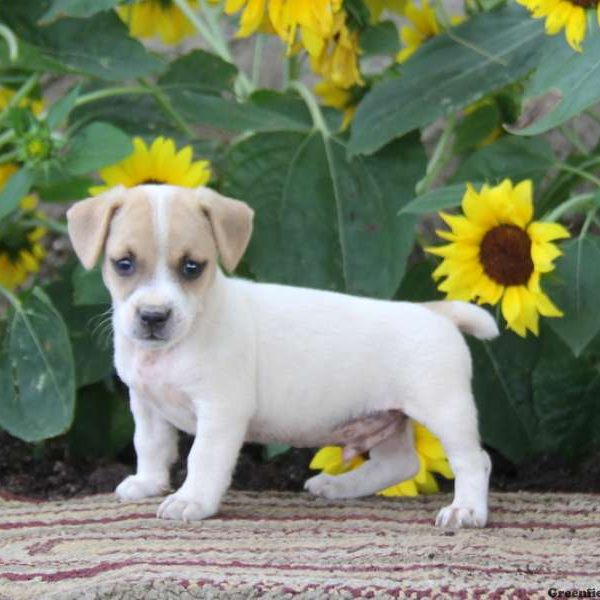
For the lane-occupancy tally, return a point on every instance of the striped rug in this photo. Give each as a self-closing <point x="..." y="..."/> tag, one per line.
<point x="274" y="545"/>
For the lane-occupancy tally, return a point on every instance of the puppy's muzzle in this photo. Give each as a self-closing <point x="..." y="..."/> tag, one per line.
<point x="153" y="322"/>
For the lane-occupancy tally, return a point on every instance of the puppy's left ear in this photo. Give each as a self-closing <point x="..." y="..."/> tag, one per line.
<point x="231" y="222"/>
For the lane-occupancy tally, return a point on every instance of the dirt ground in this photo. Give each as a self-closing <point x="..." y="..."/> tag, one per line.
<point x="47" y="471"/>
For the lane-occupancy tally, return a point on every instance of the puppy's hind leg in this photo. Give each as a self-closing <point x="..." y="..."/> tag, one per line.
<point x="390" y="462"/>
<point x="456" y="426"/>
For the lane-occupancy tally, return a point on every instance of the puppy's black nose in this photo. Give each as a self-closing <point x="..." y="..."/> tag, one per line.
<point x="154" y="317"/>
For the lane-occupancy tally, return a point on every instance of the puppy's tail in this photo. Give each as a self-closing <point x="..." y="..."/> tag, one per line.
<point x="467" y="317"/>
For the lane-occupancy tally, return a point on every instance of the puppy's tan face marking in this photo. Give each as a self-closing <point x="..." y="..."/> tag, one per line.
<point x="165" y="242"/>
<point x="161" y="245"/>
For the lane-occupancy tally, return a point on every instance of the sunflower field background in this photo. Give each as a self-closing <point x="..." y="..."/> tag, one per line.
<point x="390" y="148"/>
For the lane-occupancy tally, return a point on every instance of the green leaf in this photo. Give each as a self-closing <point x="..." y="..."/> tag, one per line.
<point x="88" y="287"/>
<point x="76" y="8"/>
<point x="380" y="39"/>
<point x="569" y="77"/>
<point x="17" y="186"/>
<point x="446" y="75"/>
<point x="60" y="110"/>
<point x="510" y="157"/>
<point x="321" y="220"/>
<point x="199" y="71"/>
<point x="271" y="451"/>
<point x="67" y="189"/>
<point x="37" y="375"/>
<point x="96" y="146"/>
<point x="502" y="372"/>
<point x="103" y="424"/>
<point x="418" y="284"/>
<point x="90" y="330"/>
<point x="99" y="46"/>
<point x="575" y="289"/>
<point x="565" y="396"/>
<point x="449" y="196"/>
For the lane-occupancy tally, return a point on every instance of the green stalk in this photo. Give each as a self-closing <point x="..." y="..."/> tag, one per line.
<point x="313" y="107"/>
<point x="574" y="203"/>
<point x="8" y="157"/>
<point x="259" y="45"/>
<point x="11" y="41"/>
<point x="109" y="92"/>
<point x="572" y="137"/>
<point x="21" y="93"/>
<point x="583" y="174"/>
<point x="164" y="102"/>
<point x="439" y="159"/>
<point x="48" y="223"/>
<point x="10" y="297"/>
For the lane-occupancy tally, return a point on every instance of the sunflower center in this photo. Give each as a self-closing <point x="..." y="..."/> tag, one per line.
<point x="505" y="254"/>
<point x="152" y="182"/>
<point x="585" y="3"/>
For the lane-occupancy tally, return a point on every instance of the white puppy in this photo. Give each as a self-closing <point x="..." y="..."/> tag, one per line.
<point x="229" y="360"/>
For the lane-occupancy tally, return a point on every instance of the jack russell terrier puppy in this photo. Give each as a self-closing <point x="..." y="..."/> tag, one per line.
<point x="229" y="360"/>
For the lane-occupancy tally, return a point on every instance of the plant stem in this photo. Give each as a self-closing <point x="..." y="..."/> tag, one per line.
<point x="439" y="158"/>
<point x="165" y="104"/>
<point x="572" y="137"/>
<point x="6" y="137"/>
<point x="583" y="174"/>
<point x="588" y="221"/>
<point x="21" y="93"/>
<point x="8" y="157"/>
<point x="576" y="202"/>
<point x="313" y="107"/>
<point x="48" y="223"/>
<point x="259" y="45"/>
<point x="10" y="297"/>
<point x="212" y="34"/>
<point x="11" y="41"/>
<point x="109" y="92"/>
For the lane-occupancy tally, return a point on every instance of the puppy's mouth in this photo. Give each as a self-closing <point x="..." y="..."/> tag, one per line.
<point x="152" y="337"/>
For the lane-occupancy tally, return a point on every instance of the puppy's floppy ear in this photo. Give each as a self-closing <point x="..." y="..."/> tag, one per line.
<point x="88" y="223"/>
<point x="231" y="222"/>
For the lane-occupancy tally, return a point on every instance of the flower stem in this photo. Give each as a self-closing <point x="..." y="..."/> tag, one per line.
<point x="572" y="137"/>
<point x="313" y="107"/>
<point x="439" y="158"/>
<point x="11" y="41"/>
<point x="259" y="45"/>
<point x="164" y="102"/>
<point x="582" y="201"/>
<point x="11" y="298"/>
<point x="577" y="171"/>
<point x="21" y="93"/>
<point x="109" y="92"/>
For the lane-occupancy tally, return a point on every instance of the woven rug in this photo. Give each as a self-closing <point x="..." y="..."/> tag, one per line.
<point x="273" y="545"/>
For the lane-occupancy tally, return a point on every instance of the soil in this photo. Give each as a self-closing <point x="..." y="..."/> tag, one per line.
<point x="48" y="472"/>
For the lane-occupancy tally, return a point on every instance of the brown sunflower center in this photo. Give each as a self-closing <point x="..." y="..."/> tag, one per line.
<point x="152" y="182"/>
<point x="505" y="254"/>
<point x="585" y="3"/>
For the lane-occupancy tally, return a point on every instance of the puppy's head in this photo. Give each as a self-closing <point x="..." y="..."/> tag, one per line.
<point x="161" y="245"/>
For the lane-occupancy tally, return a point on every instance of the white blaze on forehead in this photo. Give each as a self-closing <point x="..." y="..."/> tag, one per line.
<point x="160" y="200"/>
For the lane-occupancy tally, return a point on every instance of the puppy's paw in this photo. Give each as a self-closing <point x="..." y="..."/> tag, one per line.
<point x="326" y="486"/>
<point x="179" y="508"/>
<point x="135" y="487"/>
<point x="457" y="517"/>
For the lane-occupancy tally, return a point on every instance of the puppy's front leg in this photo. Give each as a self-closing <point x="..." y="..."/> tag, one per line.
<point x="155" y="442"/>
<point x="210" y="464"/>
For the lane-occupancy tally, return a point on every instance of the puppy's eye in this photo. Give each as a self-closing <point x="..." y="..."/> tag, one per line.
<point x="124" y="266"/>
<point x="191" y="269"/>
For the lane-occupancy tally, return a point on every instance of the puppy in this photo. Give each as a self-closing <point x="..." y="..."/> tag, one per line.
<point x="229" y="360"/>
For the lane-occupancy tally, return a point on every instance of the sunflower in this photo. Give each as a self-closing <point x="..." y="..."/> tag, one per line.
<point x="430" y="452"/>
<point x="20" y="250"/>
<point x="423" y="25"/>
<point x="318" y="26"/>
<point x="159" y="163"/>
<point x="345" y="100"/>
<point x="376" y="7"/>
<point x="570" y="15"/>
<point x="498" y="253"/>
<point x="148" y="18"/>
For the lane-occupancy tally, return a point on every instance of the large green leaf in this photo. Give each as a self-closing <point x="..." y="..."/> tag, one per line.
<point x="446" y="75"/>
<point x="569" y="77"/>
<point x="321" y="220"/>
<point x="512" y="157"/>
<point x="502" y="386"/>
<point x="76" y="8"/>
<point x="566" y="395"/>
<point x="98" y="46"/>
<point x="449" y="196"/>
<point x="37" y="375"/>
<point x="96" y="146"/>
<point x="575" y="288"/>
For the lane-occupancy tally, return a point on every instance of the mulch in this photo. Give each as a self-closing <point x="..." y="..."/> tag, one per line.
<point x="282" y="545"/>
